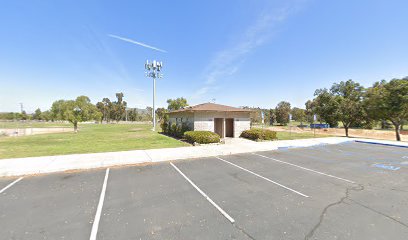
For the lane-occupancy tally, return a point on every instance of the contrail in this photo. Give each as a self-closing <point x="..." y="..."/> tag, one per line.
<point x="138" y="43"/>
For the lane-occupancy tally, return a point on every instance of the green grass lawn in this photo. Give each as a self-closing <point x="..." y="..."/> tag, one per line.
<point x="290" y="136"/>
<point x="91" y="138"/>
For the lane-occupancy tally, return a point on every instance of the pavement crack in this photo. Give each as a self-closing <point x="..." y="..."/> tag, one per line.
<point x="243" y="231"/>
<point x="310" y="234"/>
<point x="380" y="213"/>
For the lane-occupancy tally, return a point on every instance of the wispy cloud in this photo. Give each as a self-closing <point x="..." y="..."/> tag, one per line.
<point x="137" y="43"/>
<point x="228" y="61"/>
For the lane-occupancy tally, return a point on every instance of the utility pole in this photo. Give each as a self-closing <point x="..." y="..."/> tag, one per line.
<point x="153" y="70"/>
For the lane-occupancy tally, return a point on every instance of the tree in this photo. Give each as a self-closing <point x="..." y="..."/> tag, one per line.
<point x="79" y="110"/>
<point x="161" y="112"/>
<point x="388" y="101"/>
<point x="176" y="104"/>
<point x="326" y="107"/>
<point x="107" y="108"/>
<point x="272" y="116"/>
<point x="57" y="110"/>
<point x="255" y="115"/>
<point x="101" y="108"/>
<point x="24" y="115"/>
<point x="46" y="115"/>
<point x="37" y="114"/>
<point x="118" y="108"/>
<point x="282" y="112"/>
<point x="133" y="114"/>
<point x="298" y="115"/>
<point x="149" y="115"/>
<point x="309" y="111"/>
<point x="348" y="96"/>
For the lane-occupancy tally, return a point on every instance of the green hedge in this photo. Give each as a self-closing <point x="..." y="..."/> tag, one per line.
<point x="259" y="134"/>
<point x="175" y="130"/>
<point x="201" y="137"/>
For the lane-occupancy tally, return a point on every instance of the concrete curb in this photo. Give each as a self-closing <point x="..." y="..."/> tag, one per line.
<point x="50" y="164"/>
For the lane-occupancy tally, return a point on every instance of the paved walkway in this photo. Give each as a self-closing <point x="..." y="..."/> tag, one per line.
<point x="48" y="164"/>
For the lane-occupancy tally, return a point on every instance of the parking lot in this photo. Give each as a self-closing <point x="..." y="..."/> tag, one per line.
<point x="342" y="191"/>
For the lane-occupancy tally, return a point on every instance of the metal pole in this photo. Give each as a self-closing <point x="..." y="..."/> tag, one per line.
<point x="154" y="99"/>
<point x="314" y="130"/>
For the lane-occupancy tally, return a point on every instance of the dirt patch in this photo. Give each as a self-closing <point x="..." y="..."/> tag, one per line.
<point x="361" y="133"/>
<point x="135" y="129"/>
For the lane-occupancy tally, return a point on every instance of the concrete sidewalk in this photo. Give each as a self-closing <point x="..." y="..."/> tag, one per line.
<point x="48" y="164"/>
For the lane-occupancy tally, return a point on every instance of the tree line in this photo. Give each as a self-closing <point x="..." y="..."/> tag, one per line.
<point x="81" y="109"/>
<point x="348" y="102"/>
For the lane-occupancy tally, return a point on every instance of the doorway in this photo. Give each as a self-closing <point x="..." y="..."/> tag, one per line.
<point x="219" y="126"/>
<point x="229" y="127"/>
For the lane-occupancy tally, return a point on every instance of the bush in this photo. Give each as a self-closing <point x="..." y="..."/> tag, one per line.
<point x="259" y="134"/>
<point x="164" y="125"/>
<point x="175" y="130"/>
<point x="201" y="137"/>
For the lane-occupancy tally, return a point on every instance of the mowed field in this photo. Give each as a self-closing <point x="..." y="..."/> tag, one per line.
<point x="91" y="138"/>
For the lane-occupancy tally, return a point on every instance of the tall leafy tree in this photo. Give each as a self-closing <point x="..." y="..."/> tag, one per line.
<point x="161" y="112"/>
<point x="107" y="108"/>
<point x="176" y="104"/>
<point x="24" y="115"/>
<point x="37" y="114"/>
<point x="101" y="108"/>
<point x="46" y="115"/>
<point x="326" y="107"/>
<point x="299" y="115"/>
<point x="348" y="97"/>
<point x="118" y="107"/>
<point x="282" y="112"/>
<point x="272" y="116"/>
<point x="149" y="114"/>
<point x="309" y="111"/>
<point x="389" y="101"/>
<point x="57" y="110"/>
<point x="79" y="110"/>
<point x="133" y="114"/>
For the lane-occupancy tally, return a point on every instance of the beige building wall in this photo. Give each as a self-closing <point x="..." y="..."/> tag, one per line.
<point x="241" y="124"/>
<point x="182" y="117"/>
<point x="204" y="121"/>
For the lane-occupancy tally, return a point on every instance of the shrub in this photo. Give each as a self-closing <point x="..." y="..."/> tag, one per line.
<point x="259" y="134"/>
<point x="201" y="137"/>
<point x="164" y="125"/>
<point x="175" y="130"/>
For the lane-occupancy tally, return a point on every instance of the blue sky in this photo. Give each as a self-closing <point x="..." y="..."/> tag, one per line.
<point x="239" y="52"/>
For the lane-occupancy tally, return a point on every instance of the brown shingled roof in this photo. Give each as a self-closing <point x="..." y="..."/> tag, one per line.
<point x="211" y="107"/>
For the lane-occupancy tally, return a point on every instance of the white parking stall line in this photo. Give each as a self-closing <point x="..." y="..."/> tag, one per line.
<point x="97" y="218"/>
<point x="226" y="215"/>
<point x="304" y="168"/>
<point x="11" y="184"/>
<point x="265" y="178"/>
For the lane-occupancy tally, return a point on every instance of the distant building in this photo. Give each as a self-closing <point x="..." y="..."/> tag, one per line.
<point x="224" y="120"/>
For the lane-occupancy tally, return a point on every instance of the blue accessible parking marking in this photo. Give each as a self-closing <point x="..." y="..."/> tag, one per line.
<point x="387" y="167"/>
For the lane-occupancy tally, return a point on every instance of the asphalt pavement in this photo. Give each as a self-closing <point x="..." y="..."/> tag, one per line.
<point x="342" y="191"/>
